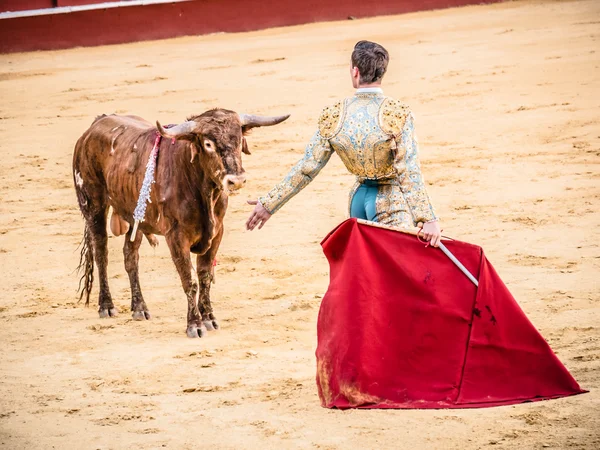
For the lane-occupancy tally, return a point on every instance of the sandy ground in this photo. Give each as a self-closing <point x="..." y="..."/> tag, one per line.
<point x="506" y="100"/>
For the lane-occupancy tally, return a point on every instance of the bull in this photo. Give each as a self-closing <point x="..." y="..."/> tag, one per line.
<point x="199" y="164"/>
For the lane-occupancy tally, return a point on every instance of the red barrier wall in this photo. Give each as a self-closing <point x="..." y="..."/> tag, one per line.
<point x="78" y="2"/>
<point x="193" y="17"/>
<point x="22" y="5"/>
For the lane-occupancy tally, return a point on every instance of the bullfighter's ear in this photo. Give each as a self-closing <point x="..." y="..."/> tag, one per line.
<point x="194" y="151"/>
<point x="245" y="147"/>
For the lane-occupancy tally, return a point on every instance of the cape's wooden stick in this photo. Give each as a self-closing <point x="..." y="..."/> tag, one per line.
<point x="412" y="231"/>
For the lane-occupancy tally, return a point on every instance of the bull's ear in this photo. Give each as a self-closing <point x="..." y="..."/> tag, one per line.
<point x="194" y="151"/>
<point x="245" y="147"/>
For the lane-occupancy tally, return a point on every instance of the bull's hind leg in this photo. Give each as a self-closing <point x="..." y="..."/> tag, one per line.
<point x="131" y="255"/>
<point x="180" y="252"/>
<point x="206" y="276"/>
<point x="97" y="227"/>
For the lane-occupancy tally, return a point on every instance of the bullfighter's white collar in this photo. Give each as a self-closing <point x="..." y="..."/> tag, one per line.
<point x="369" y="90"/>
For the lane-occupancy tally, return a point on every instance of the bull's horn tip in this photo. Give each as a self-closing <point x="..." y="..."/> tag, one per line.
<point x="282" y="118"/>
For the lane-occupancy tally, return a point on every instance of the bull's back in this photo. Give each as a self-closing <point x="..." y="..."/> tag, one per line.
<point x="106" y="134"/>
<point x="110" y="156"/>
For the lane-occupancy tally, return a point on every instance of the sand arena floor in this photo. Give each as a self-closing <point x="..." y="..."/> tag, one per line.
<point x="506" y="100"/>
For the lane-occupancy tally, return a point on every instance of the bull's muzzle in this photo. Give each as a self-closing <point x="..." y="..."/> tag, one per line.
<point x="232" y="183"/>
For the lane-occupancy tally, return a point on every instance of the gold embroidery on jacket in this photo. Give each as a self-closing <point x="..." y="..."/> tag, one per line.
<point x="331" y="119"/>
<point x="317" y="153"/>
<point x="362" y="145"/>
<point x="392" y="116"/>
<point x="375" y="139"/>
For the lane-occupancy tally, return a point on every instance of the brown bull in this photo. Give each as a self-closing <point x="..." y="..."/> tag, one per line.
<point x="199" y="163"/>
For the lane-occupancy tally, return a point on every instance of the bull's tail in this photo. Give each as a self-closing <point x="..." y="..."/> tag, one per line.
<point x="86" y="266"/>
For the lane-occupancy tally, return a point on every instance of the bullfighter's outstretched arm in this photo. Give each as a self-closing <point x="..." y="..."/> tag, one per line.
<point x="317" y="154"/>
<point x="409" y="174"/>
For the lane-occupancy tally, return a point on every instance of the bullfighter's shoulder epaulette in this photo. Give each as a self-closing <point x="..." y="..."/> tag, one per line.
<point x="392" y="116"/>
<point x="330" y="120"/>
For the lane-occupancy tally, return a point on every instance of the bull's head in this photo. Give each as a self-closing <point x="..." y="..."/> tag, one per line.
<point x="216" y="137"/>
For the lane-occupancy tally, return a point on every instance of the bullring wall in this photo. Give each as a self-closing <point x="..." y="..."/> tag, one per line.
<point x="57" y="24"/>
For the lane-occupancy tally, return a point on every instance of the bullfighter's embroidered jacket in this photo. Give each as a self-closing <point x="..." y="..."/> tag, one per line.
<point x="375" y="138"/>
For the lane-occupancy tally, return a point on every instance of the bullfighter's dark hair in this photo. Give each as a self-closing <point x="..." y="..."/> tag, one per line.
<point x="372" y="61"/>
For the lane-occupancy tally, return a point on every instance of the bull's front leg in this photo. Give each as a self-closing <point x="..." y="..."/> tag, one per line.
<point x="180" y="253"/>
<point x="205" y="268"/>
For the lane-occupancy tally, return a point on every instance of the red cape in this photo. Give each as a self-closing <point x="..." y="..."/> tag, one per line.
<point x="401" y="327"/>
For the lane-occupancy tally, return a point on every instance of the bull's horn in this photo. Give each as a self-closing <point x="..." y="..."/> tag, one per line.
<point x="177" y="131"/>
<point x="251" y="121"/>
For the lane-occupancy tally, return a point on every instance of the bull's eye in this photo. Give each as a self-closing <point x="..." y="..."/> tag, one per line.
<point x="209" y="145"/>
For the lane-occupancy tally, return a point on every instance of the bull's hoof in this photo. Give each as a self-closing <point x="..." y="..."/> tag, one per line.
<point x="211" y="325"/>
<point x="194" y="331"/>
<point x="141" y="315"/>
<point x="106" y="312"/>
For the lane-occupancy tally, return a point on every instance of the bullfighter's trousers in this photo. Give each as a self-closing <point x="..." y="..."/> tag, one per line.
<point x="380" y="201"/>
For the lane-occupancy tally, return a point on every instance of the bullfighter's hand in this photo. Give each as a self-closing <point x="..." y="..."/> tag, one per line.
<point x="258" y="217"/>
<point x="432" y="233"/>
